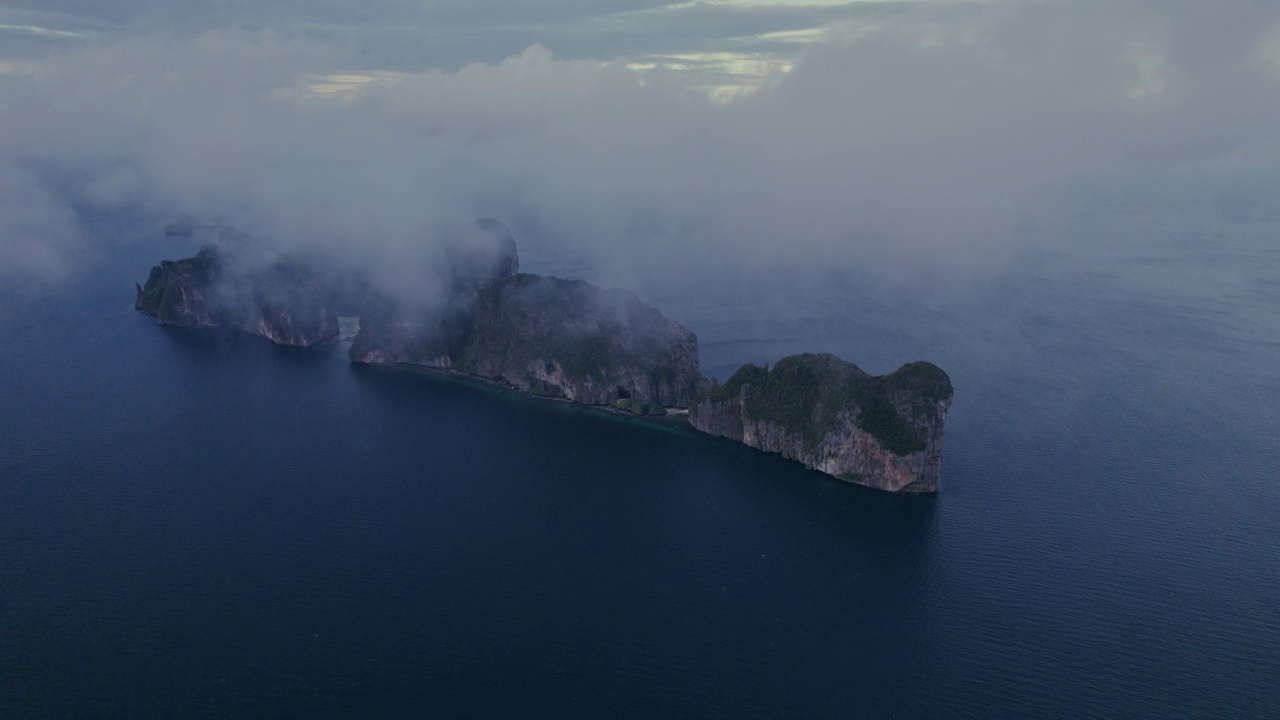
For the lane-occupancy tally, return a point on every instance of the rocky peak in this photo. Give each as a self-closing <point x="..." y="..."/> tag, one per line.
<point x="880" y="431"/>
<point x="481" y="254"/>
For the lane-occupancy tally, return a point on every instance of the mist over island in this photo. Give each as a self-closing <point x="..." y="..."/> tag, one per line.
<point x="906" y="138"/>
<point x="285" y="431"/>
<point x="568" y="340"/>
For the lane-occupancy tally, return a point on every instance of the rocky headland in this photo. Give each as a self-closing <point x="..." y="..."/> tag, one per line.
<point x="573" y="341"/>
<point x="287" y="302"/>
<point x="881" y="431"/>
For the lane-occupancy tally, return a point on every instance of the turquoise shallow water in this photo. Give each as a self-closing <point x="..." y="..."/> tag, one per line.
<point x="201" y="525"/>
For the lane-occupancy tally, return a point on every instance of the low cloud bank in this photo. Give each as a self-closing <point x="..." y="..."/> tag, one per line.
<point x="929" y="137"/>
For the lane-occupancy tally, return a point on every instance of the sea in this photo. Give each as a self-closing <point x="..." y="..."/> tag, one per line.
<point x="207" y="525"/>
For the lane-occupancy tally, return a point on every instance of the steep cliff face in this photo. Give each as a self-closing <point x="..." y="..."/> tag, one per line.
<point x="289" y="302"/>
<point x="884" y="432"/>
<point x="280" y="326"/>
<point x="542" y="335"/>
<point x="178" y="292"/>
<point x="569" y="338"/>
<point x="286" y="302"/>
<point x="431" y="337"/>
<point x="551" y="337"/>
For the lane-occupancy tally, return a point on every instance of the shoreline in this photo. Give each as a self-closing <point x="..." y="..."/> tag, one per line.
<point x="674" y="417"/>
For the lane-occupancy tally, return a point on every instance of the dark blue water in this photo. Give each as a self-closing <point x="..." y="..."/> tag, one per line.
<point x="199" y="525"/>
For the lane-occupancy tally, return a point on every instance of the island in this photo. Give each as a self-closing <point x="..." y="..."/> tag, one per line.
<point x="572" y="341"/>
<point x="287" y="302"/>
<point x="881" y="431"/>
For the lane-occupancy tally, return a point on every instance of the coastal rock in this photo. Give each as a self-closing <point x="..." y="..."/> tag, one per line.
<point x="569" y="338"/>
<point x="542" y="335"/>
<point x="551" y="337"/>
<point x="285" y="302"/>
<point x="177" y="292"/>
<point x="884" y="432"/>
<point x="480" y="317"/>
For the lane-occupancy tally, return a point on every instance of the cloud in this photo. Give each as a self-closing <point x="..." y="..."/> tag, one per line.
<point x="924" y="136"/>
<point x="37" y="231"/>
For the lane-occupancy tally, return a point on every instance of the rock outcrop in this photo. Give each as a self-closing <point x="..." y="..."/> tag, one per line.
<point x="178" y="292"/>
<point x="542" y="335"/>
<point x="884" y="431"/>
<point x="570" y="339"/>
<point x="573" y="341"/>
<point x="286" y="302"/>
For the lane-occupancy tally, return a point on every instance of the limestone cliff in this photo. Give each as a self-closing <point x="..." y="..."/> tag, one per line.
<point x="285" y="302"/>
<point x="881" y="431"/>
<point x="177" y="292"/>
<point x="542" y="335"/>
<point x="551" y="337"/>
<point x="567" y="339"/>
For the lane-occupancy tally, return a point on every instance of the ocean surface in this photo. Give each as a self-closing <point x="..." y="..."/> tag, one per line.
<point x="212" y="526"/>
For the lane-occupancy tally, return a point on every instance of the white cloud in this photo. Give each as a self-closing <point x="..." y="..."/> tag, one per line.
<point x="37" y="231"/>
<point x="926" y="139"/>
<point x="40" y="31"/>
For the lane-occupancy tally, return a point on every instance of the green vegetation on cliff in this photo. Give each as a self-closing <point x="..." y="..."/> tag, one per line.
<point x="527" y="318"/>
<point x="550" y="337"/>
<point x="806" y="395"/>
<point x="162" y="294"/>
<point x="919" y="379"/>
<point x="289" y="301"/>
<point x="590" y="332"/>
<point x="569" y="340"/>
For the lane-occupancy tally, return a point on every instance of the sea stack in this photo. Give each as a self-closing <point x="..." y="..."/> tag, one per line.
<point x="883" y="431"/>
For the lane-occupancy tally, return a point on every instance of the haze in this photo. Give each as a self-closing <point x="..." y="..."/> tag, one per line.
<point x="651" y="138"/>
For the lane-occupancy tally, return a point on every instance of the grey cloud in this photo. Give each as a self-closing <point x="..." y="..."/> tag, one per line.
<point x="37" y="230"/>
<point x="928" y="141"/>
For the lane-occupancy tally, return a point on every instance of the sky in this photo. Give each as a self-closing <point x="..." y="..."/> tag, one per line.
<point x="716" y="44"/>
<point x="651" y="136"/>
